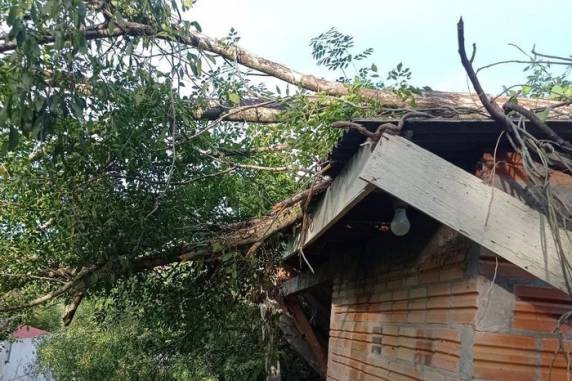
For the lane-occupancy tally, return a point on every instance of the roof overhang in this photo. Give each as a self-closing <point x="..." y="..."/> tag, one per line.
<point x="452" y="196"/>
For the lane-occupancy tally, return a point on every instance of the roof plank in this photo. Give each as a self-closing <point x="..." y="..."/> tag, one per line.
<point x="346" y="191"/>
<point x="454" y="197"/>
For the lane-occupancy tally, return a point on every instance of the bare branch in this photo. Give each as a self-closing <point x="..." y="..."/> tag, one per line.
<point x="197" y="40"/>
<point x="535" y="120"/>
<point x="568" y="59"/>
<point x="493" y="108"/>
<point x="54" y="294"/>
<point x="522" y="62"/>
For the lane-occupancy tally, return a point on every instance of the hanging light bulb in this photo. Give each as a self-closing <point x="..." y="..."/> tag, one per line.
<point x="400" y="224"/>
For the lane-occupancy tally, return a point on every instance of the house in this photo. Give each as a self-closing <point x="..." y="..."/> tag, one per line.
<point x="18" y="359"/>
<point x="429" y="262"/>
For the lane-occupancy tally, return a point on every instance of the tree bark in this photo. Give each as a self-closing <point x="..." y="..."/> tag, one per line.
<point x="252" y="114"/>
<point x="461" y="104"/>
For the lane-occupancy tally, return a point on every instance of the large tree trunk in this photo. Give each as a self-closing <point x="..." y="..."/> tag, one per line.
<point x="463" y="105"/>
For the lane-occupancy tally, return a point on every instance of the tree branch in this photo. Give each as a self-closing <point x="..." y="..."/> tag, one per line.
<point x="567" y="59"/>
<point x="492" y="107"/>
<point x="72" y="308"/>
<point x="238" y="236"/>
<point x="522" y="62"/>
<point x="535" y="120"/>
<point x="54" y="294"/>
<point x="199" y="41"/>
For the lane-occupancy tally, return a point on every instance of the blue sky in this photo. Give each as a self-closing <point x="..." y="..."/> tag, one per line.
<point x="422" y="34"/>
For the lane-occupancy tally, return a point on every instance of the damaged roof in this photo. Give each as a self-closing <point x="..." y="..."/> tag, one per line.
<point x="461" y="142"/>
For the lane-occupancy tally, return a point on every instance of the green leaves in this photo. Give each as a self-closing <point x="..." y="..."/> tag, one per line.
<point x="15" y="14"/>
<point x="332" y="49"/>
<point x="234" y="98"/>
<point x="562" y="90"/>
<point x="543" y="115"/>
<point x="51" y="8"/>
<point x="104" y="144"/>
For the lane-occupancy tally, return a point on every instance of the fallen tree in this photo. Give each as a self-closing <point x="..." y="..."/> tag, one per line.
<point x="138" y="176"/>
<point x="440" y="102"/>
<point x="241" y="236"/>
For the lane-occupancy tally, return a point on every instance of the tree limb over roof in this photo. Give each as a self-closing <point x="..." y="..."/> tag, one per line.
<point x="446" y="104"/>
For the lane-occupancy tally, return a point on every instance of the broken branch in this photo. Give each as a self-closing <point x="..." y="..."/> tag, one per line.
<point x="242" y="236"/>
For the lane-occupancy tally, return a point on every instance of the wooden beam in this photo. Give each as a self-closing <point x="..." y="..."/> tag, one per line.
<point x="303" y="325"/>
<point x="346" y="191"/>
<point x="306" y="280"/>
<point x="454" y="197"/>
<point x="297" y="341"/>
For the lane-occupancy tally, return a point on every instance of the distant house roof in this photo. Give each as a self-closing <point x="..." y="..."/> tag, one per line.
<point x="28" y="332"/>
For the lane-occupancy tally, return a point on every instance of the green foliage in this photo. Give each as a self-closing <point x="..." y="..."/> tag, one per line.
<point x="48" y="318"/>
<point x="541" y="82"/>
<point x="542" y="78"/>
<point x="160" y="328"/>
<point x="102" y="161"/>
<point x="46" y="82"/>
<point x="333" y="49"/>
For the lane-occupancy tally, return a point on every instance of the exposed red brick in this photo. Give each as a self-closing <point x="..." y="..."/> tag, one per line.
<point x="393" y="284"/>
<point x="418" y="292"/>
<point x="555" y="374"/>
<point x="439" y="302"/>
<point x="428" y="276"/>
<point x="433" y="375"/>
<point x="539" y="308"/>
<point x="451" y="274"/>
<point x="464" y="301"/>
<point x="400" y="294"/>
<point x="462" y="315"/>
<point x="416" y="316"/>
<point x="503" y="269"/>
<point x="504" y="357"/>
<point x="446" y="362"/>
<point x="411" y="281"/>
<point x="554" y="364"/>
<point x="436" y="316"/>
<point x="417" y="304"/>
<point x="385" y="327"/>
<point x="465" y="286"/>
<point x="504" y="341"/>
<point x="439" y="289"/>
<point x="541" y="293"/>
<point x="399" y="305"/>
<point x="503" y="372"/>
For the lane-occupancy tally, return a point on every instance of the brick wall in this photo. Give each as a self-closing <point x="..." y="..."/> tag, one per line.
<point x="439" y="316"/>
<point x="524" y="342"/>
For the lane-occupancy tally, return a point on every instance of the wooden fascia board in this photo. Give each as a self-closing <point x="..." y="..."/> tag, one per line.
<point x="346" y="191"/>
<point x="454" y="197"/>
